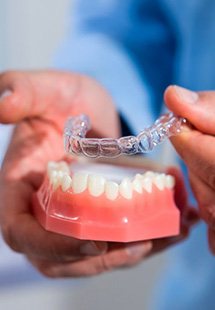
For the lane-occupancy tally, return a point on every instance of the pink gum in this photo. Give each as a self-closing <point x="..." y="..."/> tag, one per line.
<point x="145" y="216"/>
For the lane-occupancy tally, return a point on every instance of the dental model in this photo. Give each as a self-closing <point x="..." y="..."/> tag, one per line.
<point x="77" y="127"/>
<point x="95" y="201"/>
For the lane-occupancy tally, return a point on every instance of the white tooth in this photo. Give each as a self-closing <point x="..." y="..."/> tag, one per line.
<point x="52" y="175"/>
<point x="79" y="182"/>
<point x="63" y="166"/>
<point x="159" y="181"/>
<point x="96" y="185"/>
<point x="169" y="181"/>
<point x="125" y="188"/>
<point x="56" y="181"/>
<point x="138" y="176"/>
<point x="137" y="186"/>
<point x="60" y="175"/>
<point x="50" y="167"/>
<point x="147" y="184"/>
<point x="56" y="178"/>
<point x="66" y="182"/>
<point x="149" y="174"/>
<point x="111" y="190"/>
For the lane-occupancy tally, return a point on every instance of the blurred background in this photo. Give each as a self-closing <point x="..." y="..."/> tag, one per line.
<point x="30" y="32"/>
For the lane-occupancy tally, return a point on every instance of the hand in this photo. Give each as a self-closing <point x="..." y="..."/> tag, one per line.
<point x="196" y="146"/>
<point x="39" y="103"/>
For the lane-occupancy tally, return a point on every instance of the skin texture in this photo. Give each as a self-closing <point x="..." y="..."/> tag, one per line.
<point x="38" y="103"/>
<point x="196" y="146"/>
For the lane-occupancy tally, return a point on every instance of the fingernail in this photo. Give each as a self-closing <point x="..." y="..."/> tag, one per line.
<point x="186" y="95"/>
<point x="6" y="93"/>
<point x="93" y="248"/>
<point x="139" y="249"/>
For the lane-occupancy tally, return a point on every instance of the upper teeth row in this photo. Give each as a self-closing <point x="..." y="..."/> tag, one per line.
<point x="97" y="184"/>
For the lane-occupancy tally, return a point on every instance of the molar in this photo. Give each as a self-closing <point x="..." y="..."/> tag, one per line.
<point x="56" y="178"/>
<point x="64" y="167"/>
<point x="169" y="181"/>
<point x="61" y="166"/>
<point x="66" y="182"/>
<point x="52" y="166"/>
<point x="159" y="181"/>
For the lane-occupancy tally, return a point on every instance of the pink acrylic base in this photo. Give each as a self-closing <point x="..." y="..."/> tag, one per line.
<point x="82" y="216"/>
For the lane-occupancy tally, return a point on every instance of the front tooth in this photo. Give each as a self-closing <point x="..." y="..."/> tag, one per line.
<point x="169" y="181"/>
<point x="66" y="182"/>
<point x="137" y="186"/>
<point x="147" y="184"/>
<point x="159" y="181"/>
<point x="125" y="188"/>
<point x="79" y="182"/>
<point x="111" y="190"/>
<point x="96" y="185"/>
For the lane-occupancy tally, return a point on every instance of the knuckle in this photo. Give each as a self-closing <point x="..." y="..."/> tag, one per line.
<point x="115" y="260"/>
<point x="103" y="265"/>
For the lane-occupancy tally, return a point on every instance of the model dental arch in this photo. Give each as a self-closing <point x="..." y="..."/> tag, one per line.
<point x="77" y="127"/>
<point x="117" y="202"/>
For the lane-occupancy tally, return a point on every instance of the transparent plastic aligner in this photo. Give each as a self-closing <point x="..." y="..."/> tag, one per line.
<point x="76" y="128"/>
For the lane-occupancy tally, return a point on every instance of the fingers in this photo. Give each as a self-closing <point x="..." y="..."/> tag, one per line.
<point x="205" y="196"/>
<point x="27" y="94"/>
<point x="197" y="150"/>
<point x="118" y="256"/>
<point x="197" y="108"/>
<point x="23" y="234"/>
<point x="31" y="239"/>
<point x="195" y="146"/>
<point x="54" y="96"/>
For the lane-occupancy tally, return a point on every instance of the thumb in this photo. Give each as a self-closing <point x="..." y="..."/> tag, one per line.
<point x="195" y="145"/>
<point x="197" y="108"/>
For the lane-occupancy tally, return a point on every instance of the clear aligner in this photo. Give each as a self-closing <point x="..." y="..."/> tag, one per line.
<point x="76" y="128"/>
